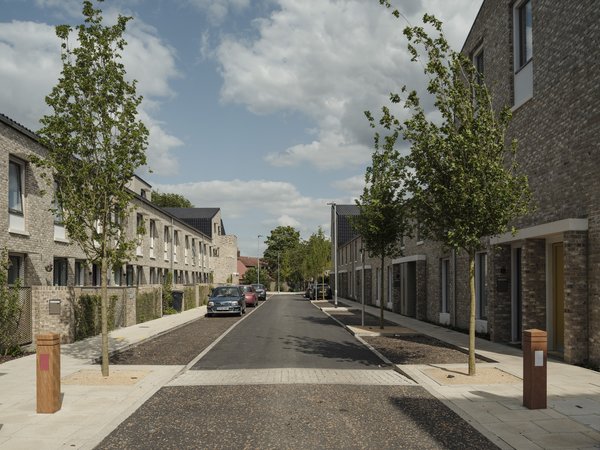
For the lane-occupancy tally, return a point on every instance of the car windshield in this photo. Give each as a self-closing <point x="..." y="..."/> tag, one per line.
<point x="248" y="288"/>
<point x="226" y="292"/>
<point x="258" y="286"/>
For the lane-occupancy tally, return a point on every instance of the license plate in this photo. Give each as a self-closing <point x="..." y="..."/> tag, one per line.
<point x="223" y="308"/>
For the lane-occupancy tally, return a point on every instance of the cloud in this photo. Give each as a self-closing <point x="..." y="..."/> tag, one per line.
<point x="329" y="61"/>
<point x="352" y="187"/>
<point x="218" y="10"/>
<point x="31" y="65"/>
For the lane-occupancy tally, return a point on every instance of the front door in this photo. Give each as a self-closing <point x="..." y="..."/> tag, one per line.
<point x="517" y="296"/>
<point x="559" y="296"/>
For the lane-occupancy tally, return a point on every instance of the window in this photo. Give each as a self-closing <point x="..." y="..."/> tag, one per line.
<point x="166" y="240"/>
<point x="523" y="52"/>
<point x="153" y="276"/>
<point x="153" y="237"/>
<point x="524" y="33"/>
<point x="60" y="271"/>
<point x="480" y="285"/>
<point x="139" y="222"/>
<point x="15" y="268"/>
<point x="175" y="245"/>
<point x="478" y="63"/>
<point x="117" y="277"/>
<point x="193" y="251"/>
<point x="15" y="188"/>
<point x="445" y="284"/>
<point x="79" y="273"/>
<point x="186" y="249"/>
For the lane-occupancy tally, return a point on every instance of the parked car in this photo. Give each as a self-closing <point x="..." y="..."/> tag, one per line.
<point x="250" y="294"/>
<point x="321" y="291"/>
<point x="261" y="291"/>
<point x="226" y="300"/>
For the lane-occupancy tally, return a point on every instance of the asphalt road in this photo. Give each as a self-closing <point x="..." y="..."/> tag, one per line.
<point x="288" y="332"/>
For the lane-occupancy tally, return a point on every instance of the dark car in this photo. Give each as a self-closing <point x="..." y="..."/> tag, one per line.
<point x="321" y="291"/>
<point x="250" y="294"/>
<point x="261" y="291"/>
<point x="226" y="300"/>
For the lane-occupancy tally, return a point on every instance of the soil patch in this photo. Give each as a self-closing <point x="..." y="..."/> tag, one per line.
<point x="94" y="377"/>
<point x="177" y="347"/>
<point x="419" y="349"/>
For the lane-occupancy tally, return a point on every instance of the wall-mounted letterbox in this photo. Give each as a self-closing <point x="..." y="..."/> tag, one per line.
<point x="54" y="307"/>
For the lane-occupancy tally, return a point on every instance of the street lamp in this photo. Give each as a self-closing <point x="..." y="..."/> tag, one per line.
<point x="335" y="251"/>
<point x="278" y="288"/>
<point x="362" y="283"/>
<point x="258" y="255"/>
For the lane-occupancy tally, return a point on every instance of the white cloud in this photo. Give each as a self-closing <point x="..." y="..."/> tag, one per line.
<point x="287" y="221"/>
<point x="30" y="55"/>
<point x="352" y="186"/>
<point x="330" y="61"/>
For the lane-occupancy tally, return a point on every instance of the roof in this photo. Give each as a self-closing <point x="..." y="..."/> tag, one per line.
<point x="248" y="261"/>
<point x="17" y="126"/>
<point x="199" y="218"/>
<point x="345" y="231"/>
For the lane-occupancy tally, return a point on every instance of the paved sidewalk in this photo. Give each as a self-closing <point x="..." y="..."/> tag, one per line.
<point x="89" y="411"/>
<point x="572" y="419"/>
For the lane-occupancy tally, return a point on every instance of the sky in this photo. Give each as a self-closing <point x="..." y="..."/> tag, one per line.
<point x="253" y="106"/>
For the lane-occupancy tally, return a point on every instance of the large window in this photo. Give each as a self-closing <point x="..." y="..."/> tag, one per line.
<point x="15" y="188"/>
<point x="139" y="251"/>
<point x="478" y="63"/>
<point x="153" y="236"/>
<point x="60" y="271"/>
<point x="166" y="240"/>
<point x="524" y="33"/>
<point x="480" y="285"/>
<point x="15" y="268"/>
<point x="79" y="273"/>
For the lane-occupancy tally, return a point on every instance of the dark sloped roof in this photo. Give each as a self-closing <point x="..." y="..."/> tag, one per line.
<point x="17" y="126"/>
<point x="199" y="218"/>
<point x="344" y="228"/>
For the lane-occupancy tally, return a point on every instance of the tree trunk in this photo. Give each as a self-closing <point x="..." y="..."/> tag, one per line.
<point x="472" y="314"/>
<point x="382" y="299"/>
<point x="104" y="315"/>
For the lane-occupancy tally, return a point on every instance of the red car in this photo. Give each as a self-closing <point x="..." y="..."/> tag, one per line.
<point x="250" y="294"/>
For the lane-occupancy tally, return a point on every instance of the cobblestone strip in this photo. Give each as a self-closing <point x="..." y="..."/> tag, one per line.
<point x="290" y="376"/>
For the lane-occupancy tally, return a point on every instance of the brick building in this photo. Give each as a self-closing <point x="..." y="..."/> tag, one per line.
<point x="50" y="266"/>
<point x="542" y="59"/>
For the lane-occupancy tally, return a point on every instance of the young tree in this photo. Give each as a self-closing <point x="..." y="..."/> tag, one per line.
<point x="95" y="143"/>
<point x="384" y="216"/>
<point x="281" y="243"/>
<point x="464" y="178"/>
<point x="318" y="254"/>
<point x="168" y="200"/>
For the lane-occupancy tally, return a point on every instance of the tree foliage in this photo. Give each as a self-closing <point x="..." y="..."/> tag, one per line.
<point x="95" y="143"/>
<point x="169" y="200"/>
<point x="317" y="258"/>
<point x="283" y="245"/>
<point x="384" y="215"/>
<point x="461" y="174"/>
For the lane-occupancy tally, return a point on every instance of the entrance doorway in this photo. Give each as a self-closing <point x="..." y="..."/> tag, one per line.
<point x="517" y="295"/>
<point x="408" y="289"/>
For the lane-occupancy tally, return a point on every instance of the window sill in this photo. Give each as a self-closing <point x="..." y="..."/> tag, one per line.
<point x="19" y="232"/>
<point x="61" y="240"/>
<point x="524" y="102"/>
<point x="420" y="242"/>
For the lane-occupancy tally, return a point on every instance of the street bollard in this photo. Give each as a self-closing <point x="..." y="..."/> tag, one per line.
<point x="535" y="377"/>
<point x="48" y="373"/>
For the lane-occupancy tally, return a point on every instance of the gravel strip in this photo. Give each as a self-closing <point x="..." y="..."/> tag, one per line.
<point x="176" y="347"/>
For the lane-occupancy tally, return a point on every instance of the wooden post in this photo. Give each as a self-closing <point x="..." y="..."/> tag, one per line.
<point x="535" y="377"/>
<point x="48" y="373"/>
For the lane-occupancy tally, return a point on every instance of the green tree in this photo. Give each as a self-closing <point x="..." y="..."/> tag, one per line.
<point x="384" y="216"/>
<point x="281" y="244"/>
<point x="318" y="255"/>
<point x="463" y="176"/>
<point x="251" y="276"/>
<point x="168" y="200"/>
<point x="10" y="309"/>
<point x="95" y="143"/>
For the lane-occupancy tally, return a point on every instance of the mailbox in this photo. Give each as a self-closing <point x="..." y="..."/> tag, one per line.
<point x="54" y="307"/>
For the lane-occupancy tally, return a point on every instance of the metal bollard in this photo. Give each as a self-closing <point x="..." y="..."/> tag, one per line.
<point x="535" y="377"/>
<point x="48" y="373"/>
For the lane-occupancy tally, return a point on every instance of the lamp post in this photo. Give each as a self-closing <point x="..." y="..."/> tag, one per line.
<point x="278" y="288"/>
<point x="335" y="251"/>
<point x="362" y="284"/>
<point x="258" y="256"/>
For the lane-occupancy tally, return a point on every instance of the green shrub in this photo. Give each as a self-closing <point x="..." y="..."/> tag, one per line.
<point x="146" y="307"/>
<point x="167" y="292"/>
<point x="189" y="298"/>
<point x="10" y="310"/>
<point x="87" y="311"/>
